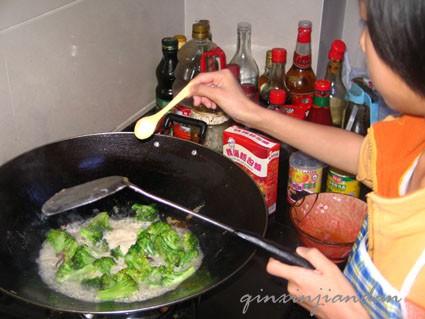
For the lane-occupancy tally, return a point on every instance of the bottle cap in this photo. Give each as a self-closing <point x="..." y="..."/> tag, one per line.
<point x="244" y="26"/>
<point x="279" y="55"/>
<point x="235" y="69"/>
<point x="169" y="44"/>
<point x="277" y="97"/>
<point x="181" y="39"/>
<point x="304" y="31"/>
<point x="200" y="30"/>
<point x="337" y="50"/>
<point x="322" y="85"/>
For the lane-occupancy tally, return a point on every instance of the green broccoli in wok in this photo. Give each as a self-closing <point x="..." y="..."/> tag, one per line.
<point x="145" y="213"/>
<point x="94" y="231"/>
<point x="63" y="243"/>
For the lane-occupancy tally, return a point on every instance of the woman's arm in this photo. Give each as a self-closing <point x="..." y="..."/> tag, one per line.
<point x="331" y="145"/>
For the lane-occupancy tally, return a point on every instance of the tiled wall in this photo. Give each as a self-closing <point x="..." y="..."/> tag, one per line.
<point x="73" y="67"/>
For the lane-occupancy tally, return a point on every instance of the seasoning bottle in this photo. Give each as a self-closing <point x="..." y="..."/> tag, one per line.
<point x="277" y="100"/>
<point x="189" y="57"/>
<point x="305" y="176"/>
<point x="181" y="39"/>
<point x="320" y="112"/>
<point x="277" y="75"/>
<point x="333" y="75"/>
<point x="243" y="56"/>
<point x="300" y="77"/>
<point x="264" y="78"/>
<point x="165" y="72"/>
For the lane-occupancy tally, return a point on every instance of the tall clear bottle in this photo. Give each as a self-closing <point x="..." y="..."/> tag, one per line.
<point x="165" y="72"/>
<point x="277" y="76"/>
<point x="189" y="66"/>
<point x="243" y="56"/>
<point x="264" y="78"/>
<point x="333" y="75"/>
<point x="300" y="78"/>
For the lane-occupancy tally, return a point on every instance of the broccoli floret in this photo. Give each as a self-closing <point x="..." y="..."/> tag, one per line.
<point x="146" y="244"/>
<point x="92" y="282"/>
<point x="157" y="228"/>
<point x="138" y="276"/>
<point x="145" y="213"/>
<point x="188" y="256"/>
<point x="190" y="241"/>
<point x="67" y="272"/>
<point x="175" y="278"/>
<point x="116" y="252"/>
<point x="83" y="256"/>
<point x="62" y="243"/>
<point x="121" y="286"/>
<point x="166" y="252"/>
<point x="94" y="231"/>
<point x="104" y="264"/>
<point x="93" y="236"/>
<point x="100" y="222"/>
<point x="172" y="239"/>
<point x="135" y="258"/>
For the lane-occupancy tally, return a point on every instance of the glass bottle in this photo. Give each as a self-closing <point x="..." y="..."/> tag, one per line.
<point x="277" y="100"/>
<point x="264" y="78"/>
<point x="300" y="78"/>
<point x="320" y="112"/>
<point x="333" y="75"/>
<point x="243" y="56"/>
<point x="165" y="72"/>
<point x="277" y="75"/>
<point x="189" y="66"/>
<point x="181" y="40"/>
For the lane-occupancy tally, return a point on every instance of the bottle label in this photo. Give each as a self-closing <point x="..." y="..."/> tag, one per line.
<point x="303" y="181"/>
<point x="180" y="130"/>
<point x="302" y="61"/>
<point x="303" y="99"/>
<point x="340" y="183"/>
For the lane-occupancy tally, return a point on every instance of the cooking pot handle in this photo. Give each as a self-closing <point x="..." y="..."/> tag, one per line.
<point x="171" y="117"/>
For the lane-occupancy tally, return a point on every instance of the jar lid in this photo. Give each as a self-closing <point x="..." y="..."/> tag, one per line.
<point x="200" y="30"/>
<point x="337" y="50"/>
<point x="277" y="96"/>
<point x="279" y="55"/>
<point x="322" y="85"/>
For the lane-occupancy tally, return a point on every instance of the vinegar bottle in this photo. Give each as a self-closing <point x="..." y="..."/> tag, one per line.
<point x="243" y="56"/>
<point x="300" y="77"/>
<point x="264" y="78"/>
<point x="320" y="112"/>
<point x="277" y="75"/>
<point x="165" y="72"/>
<point x="333" y="75"/>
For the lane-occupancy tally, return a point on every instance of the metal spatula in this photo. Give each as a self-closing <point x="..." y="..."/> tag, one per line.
<point x="90" y="192"/>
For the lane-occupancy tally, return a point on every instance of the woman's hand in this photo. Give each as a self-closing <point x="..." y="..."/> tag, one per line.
<point x="325" y="291"/>
<point x="221" y="88"/>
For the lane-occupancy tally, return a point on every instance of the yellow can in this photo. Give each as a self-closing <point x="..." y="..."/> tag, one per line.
<point x="339" y="181"/>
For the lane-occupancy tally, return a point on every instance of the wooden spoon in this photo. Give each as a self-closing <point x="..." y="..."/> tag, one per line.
<point x="146" y="126"/>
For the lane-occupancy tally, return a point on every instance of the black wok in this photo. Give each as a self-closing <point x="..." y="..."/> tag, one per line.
<point x="184" y="172"/>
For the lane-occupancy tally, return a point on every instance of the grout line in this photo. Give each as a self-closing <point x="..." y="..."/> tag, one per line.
<point x="44" y="14"/>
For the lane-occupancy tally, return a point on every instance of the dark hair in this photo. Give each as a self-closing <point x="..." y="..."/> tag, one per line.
<point x="397" y="30"/>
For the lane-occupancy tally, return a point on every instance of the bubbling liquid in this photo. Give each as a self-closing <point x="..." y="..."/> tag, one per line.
<point x="124" y="233"/>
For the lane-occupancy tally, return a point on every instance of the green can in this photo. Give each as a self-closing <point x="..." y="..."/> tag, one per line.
<point x="339" y="181"/>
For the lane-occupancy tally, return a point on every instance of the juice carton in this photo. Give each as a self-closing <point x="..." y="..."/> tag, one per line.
<point x="258" y="156"/>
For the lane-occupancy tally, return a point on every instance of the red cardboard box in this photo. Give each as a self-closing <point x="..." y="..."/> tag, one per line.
<point x="258" y="156"/>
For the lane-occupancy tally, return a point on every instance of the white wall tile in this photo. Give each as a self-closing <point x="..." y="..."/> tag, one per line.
<point x="83" y="68"/>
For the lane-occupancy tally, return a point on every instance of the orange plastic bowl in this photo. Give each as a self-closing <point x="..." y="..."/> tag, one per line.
<point x="330" y="222"/>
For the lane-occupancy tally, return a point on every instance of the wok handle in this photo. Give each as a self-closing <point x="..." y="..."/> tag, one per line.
<point x="279" y="252"/>
<point x="171" y="118"/>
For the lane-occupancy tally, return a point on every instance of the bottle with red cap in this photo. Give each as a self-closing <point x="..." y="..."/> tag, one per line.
<point x="277" y="76"/>
<point x="320" y="110"/>
<point x="300" y="77"/>
<point x="333" y="75"/>
<point x="277" y="100"/>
